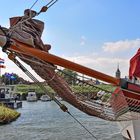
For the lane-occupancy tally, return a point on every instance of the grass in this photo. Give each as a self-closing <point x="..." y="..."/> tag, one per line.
<point x="107" y="87"/>
<point x="24" y="88"/>
<point x="7" y="115"/>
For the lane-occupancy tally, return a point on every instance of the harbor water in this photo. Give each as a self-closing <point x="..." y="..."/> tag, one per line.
<point x="45" y="121"/>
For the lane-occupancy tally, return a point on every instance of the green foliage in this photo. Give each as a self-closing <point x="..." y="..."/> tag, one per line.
<point x="7" y="115"/>
<point x="83" y="89"/>
<point x="105" y="97"/>
<point x="107" y="87"/>
<point x="86" y="89"/>
<point x="21" y="88"/>
<point x="69" y="75"/>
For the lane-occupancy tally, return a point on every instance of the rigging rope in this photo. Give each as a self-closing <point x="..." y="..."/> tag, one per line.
<point x="47" y="6"/>
<point x="43" y="9"/>
<point x="62" y="106"/>
<point x="82" y="125"/>
<point x="33" y="4"/>
<point x="84" y="82"/>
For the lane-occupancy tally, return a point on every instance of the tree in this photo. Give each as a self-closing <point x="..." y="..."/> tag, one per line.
<point x="69" y="75"/>
<point x="12" y="78"/>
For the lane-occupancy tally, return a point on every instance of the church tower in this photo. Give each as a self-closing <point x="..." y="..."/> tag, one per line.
<point x="118" y="73"/>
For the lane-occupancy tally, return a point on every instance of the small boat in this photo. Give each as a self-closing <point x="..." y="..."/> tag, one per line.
<point x="45" y="98"/>
<point x="31" y="97"/>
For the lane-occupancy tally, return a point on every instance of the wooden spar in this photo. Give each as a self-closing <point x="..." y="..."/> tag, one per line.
<point x="27" y="50"/>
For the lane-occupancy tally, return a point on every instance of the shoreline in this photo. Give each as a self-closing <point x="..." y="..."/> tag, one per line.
<point x="7" y="115"/>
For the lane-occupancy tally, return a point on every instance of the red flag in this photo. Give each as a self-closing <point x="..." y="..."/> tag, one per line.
<point x="134" y="69"/>
<point x="2" y="66"/>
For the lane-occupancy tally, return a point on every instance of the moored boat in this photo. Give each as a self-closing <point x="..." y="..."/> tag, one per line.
<point x="31" y="97"/>
<point x="45" y="98"/>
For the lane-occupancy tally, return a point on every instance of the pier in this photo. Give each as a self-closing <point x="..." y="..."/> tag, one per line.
<point x="12" y="104"/>
<point x="8" y="97"/>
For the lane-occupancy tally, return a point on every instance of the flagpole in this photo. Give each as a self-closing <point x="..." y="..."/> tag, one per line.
<point x="0" y="75"/>
<point x="1" y="66"/>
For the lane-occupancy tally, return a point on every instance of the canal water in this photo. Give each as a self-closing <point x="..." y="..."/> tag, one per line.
<point x="45" y="121"/>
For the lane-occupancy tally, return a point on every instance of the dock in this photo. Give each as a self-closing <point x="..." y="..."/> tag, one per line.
<point x="8" y="97"/>
<point x="12" y="104"/>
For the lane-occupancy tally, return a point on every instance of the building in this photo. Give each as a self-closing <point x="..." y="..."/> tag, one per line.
<point x="118" y="72"/>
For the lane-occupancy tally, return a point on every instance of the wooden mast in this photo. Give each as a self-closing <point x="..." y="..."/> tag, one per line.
<point x="27" y="50"/>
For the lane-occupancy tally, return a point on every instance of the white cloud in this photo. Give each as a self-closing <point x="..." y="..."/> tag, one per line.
<point x="102" y="64"/>
<point x="121" y="45"/>
<point x="83" y="40"/>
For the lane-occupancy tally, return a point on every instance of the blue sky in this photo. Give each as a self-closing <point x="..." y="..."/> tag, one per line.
<point x="96" y="33"/>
